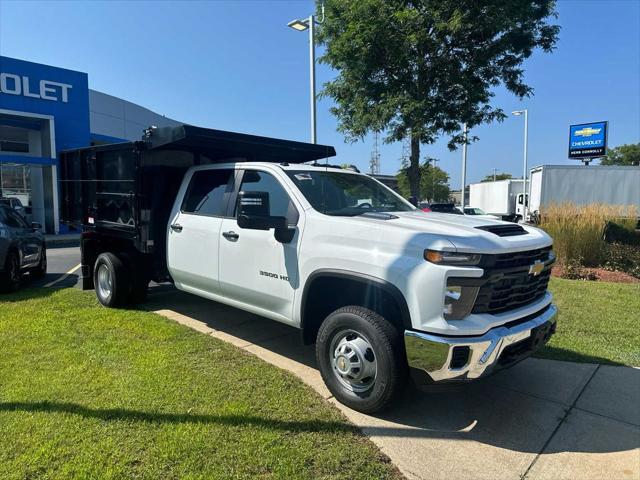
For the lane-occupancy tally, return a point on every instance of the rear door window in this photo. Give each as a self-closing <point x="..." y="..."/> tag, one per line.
<point x="208" y="192"/>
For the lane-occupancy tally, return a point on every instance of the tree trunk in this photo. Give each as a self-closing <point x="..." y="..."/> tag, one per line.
<point x="414" y="169"/>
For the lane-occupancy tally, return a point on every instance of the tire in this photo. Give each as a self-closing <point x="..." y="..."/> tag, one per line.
<point x="11" y="277"/>
<point x="342" y="352"/>
<point x="112" y="280"/>
<point x="41" y="270"/>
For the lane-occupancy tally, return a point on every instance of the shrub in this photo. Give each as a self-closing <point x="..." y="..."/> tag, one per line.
<point x="573" y="270"/>
<point x="579" y="231"/>
<point x="624" y="258"/>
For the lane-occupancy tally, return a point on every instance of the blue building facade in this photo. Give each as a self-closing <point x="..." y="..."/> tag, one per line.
<point x="44" y="110"/>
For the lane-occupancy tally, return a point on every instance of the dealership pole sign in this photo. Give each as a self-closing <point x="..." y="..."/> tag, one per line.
<point x="588" y="140"/>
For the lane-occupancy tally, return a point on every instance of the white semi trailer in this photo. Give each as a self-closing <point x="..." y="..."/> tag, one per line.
<point x="583" y="185"/>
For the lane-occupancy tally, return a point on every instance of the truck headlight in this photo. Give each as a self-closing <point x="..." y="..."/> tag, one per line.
<point x="458" y="300"/>
<point x="452" y="258"/>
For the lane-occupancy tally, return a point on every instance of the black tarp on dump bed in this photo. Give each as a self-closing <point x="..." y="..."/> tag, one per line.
<point x="219" y="145"/>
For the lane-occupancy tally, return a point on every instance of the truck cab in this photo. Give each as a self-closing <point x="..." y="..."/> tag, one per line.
<point x="382" y="289"/>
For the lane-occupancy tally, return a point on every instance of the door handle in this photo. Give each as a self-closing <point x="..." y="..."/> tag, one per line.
<point x="176" y="227"/>
<point x="231" y="235"/>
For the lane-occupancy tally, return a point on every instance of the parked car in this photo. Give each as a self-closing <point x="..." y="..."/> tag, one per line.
<point x="15" y="204"/>
<point x="441" y="208"/>
<point x="22" y="249"/>
<point x="382" y="289"/>
<point x="478" y="212"/>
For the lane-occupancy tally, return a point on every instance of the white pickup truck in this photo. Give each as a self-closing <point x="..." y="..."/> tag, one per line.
<point x="383" y="289"/>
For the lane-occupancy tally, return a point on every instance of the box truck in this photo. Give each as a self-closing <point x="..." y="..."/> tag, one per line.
<point x="583" y="185"/>
<point x="502" y="198"/>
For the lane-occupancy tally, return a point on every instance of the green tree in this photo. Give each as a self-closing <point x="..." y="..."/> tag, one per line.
<point x="434" y="182"/>
<point x="498" y="176"/>
<point x="623" y="155"/>
<point x="418" y="69"/>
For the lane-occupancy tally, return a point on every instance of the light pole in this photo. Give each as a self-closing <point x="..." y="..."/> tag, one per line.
<point x="301" y="26"/>
<point x="525" y="197"/>
<point x="464" y="165"/>
<point x="433" y="179"/>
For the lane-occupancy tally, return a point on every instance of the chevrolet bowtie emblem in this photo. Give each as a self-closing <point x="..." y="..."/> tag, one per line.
<point x="587" y="132"/>
<point x="536" y="268"/>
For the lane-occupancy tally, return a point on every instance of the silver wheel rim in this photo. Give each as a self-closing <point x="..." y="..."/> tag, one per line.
<point x="353" y="360"/>
<point x="105" y="285"/>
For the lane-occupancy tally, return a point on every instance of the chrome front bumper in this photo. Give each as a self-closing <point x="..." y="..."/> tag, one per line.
<point x="445" y="358"/>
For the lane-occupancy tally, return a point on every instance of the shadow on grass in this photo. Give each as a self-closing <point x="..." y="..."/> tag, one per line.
<point x="557" y="353"/>
<point x="27" y="294"/>
<point x="111" y="414"/>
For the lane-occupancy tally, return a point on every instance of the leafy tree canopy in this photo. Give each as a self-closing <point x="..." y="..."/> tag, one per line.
<point x="498" y="176"/>
<point x="623" y="155"/>
<point x="418" y="69"/>
<point x="434" y="183"/>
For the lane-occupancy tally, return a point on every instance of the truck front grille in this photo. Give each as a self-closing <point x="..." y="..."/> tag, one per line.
<point x="509" y="285"/>
<point x="520" y="259"/>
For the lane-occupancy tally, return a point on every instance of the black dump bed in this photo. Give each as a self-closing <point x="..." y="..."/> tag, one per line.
<point x="126" y="190"/>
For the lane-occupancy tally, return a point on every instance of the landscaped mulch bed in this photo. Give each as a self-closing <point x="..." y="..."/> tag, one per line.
<point x="599" y="274"/>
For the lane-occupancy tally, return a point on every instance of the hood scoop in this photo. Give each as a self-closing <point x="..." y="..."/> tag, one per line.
<point x="504" y="230"/>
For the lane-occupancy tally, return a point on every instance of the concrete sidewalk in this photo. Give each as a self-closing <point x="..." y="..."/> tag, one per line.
<point x="542" y="419"/>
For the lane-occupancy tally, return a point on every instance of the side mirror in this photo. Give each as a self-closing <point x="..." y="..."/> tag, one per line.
<point x="36" y="226"/>
<point x="253" y="212"/>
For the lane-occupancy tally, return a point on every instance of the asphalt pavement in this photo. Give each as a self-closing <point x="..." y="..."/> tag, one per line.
<point x="63" y="268"/>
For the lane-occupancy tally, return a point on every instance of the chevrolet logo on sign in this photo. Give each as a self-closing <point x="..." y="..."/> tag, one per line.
<point x="536" y="268"/>
<point x="587" y="132"/>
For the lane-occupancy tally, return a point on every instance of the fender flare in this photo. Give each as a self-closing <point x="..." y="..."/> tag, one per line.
<point x="385" y="285"/>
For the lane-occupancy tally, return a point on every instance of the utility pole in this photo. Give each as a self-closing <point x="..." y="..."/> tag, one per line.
<point x="494" y="174"/>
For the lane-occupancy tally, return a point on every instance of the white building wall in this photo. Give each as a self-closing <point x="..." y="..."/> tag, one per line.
<point x="114" y="117"/>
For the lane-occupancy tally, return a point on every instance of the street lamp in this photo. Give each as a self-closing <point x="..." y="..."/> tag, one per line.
<point x="301" y="26"/>
<point x="525" y="199"/>
<point x="465" y="132"/>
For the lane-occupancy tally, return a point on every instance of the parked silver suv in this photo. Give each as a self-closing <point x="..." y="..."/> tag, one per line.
<point x="22" y="249"/>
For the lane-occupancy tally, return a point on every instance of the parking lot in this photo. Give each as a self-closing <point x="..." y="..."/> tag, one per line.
<point x="543" y="419"/>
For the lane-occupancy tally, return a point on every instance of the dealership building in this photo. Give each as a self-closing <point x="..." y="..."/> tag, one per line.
<point x="45" y="110"/>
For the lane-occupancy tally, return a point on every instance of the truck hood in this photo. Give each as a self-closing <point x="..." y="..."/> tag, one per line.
<point x="461" y="231"/>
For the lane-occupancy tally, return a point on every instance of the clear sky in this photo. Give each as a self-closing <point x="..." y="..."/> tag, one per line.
<point x="234" y="65"/>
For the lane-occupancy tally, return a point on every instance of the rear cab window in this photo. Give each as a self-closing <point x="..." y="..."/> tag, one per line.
<point x="208" y="192"/>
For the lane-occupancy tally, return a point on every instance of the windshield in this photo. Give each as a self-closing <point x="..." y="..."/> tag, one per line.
<point x="346" y="194"/>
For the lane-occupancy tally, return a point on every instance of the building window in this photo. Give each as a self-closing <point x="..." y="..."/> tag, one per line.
<point x="13" y="147"/>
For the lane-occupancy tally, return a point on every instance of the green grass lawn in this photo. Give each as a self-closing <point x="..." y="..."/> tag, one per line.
<point x="87" y="392"/>
<point x="598" y="322"/>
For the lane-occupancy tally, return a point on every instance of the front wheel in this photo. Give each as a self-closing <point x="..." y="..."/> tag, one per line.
<point x="361" y="358"/>
<point x="10" y="278"/>
<point x="111" y="279"/>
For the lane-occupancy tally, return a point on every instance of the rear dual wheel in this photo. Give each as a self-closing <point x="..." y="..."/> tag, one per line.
<point x="115" y="284"/>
